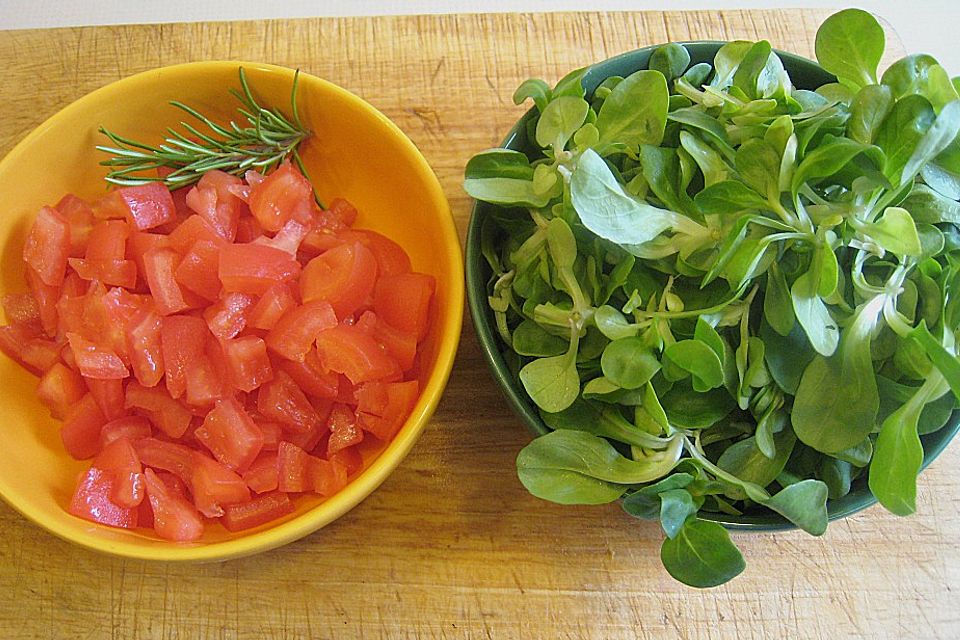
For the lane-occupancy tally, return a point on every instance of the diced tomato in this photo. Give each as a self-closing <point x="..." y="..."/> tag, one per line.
<point x="159" y="267"/>
<point x="214" y="485"/>
<point x="262" y="476"/>
<point x="391" y="258"/>
<point x="96" y="361"/>
<point x="48" y="246"/>
<point x="271" y="306"/>
<point x="148" y="205"/>
<point x="401" y="346"/>
<point x="294" y="334"/>
<point x="121" y="273"/>
<point x="109" y="395"/>
<point x="350" y="458"/>
<point x="307" y="440"/>
<point x="326" y="477"/>
<point x="401" y="398"/>
<point x="121" y="461"/>
<point x="228" y="316"/>
<point x="81" y="428"/>
<point x="282" y="400"/>
<point x="131" y="428"/>
<point x="254" y="268"/>
<point x="46" y="296"/>
<point x="173" y="517"/>
<point x="272" y="434"/>
<point x="349" y="350"/>
<point x="33" y="353"/>
<point x="169" y="456"/>
<point x="343" y="276"/>
<point x="92" y="500"/>
<point x="231" y="435"/>
<point x="292" y="466"/>
<point x="248" y="365"/>
<point x="22" y="309"/>
<point x="273" y="201"/>
<point x="312" y="377"/>
<point x="79" y="215"/>
<point x="141" y="242"/>
<point x="198" y="270"/>
<point x="166" y="413"/>
<point x="182" y="341"/>
<point x="59" y="389"/>
<point x="145" y="349"/>
<point x="110" y="206"/>
<point x="248" y="229"/>
<point x="194" y="229"/>
<point x="403" y="301"/>
<point x="288" y="238"/>
<point x="260" y="510"/>
<point x="205" y="384"/>
<point x="344" y="430"/>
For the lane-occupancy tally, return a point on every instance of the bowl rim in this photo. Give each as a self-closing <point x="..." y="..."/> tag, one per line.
<point x="857" y="500"/>
<point x="390" y="457"/>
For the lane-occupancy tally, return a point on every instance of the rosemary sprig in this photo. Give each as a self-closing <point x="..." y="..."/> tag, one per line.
<point x="268" y="139"/>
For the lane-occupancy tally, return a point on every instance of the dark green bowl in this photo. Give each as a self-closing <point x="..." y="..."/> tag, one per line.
<point x="805" y="74"/>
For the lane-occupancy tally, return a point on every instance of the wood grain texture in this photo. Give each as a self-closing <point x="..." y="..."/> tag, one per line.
<point x="451" y="546"/>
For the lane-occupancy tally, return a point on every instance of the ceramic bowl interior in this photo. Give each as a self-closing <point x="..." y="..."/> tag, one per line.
<point x="805" y="74"/>
<point x="355" y="153"/>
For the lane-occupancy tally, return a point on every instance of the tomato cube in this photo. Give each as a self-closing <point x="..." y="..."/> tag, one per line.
<point x="292" y="467"/>
<point x="228" y="316"/>
<point x="80" y="432"/>
<point x="294" y="334"/>
<point x="326" y="477"/>
<point x="271" y="306"/>
<point x="214" y="485"/>
<point x="344" y="276"/>
<point x="145" y="349"/>
<point x="262" y="475"/>
<point x="194" y="229"/>
<point x="48" y="246"/>
<point x="173" y="517"/>
<point x="59" y="389"/>
<point x="92" y="500"/>
<point x="403" y="301"/>
<point x="401" y="398"/>
<point x="401" y="346"/>
<point x="109" y="395"/>
<point x="159" y="269"/>
<point x="312" y="377"/>
<point x="198" y="270"/>
<point x="344" y="430"/>
<point x="282" y="400"/>
<point x="130" y="428"/>
<point x="22" y="309"/>
<point x="96" y="361"/>
<point x="231" y="435"/>
<point x="390" y="256"/>
<point x="166" y="413"/>
<point x="182" y="341"/>
<point x="260" y="510"/>
<point x="254" y="268"/>
<point x="248" y="365"/>
<point x="120" y="460"/>
<point x="148" y="205"/>
<point x="79" y="216"/>
<point x="349" y="350"/>
<point x="276" y="199"/>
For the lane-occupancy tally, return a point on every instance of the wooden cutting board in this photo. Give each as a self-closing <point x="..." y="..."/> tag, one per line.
<point x="451" y="545"/>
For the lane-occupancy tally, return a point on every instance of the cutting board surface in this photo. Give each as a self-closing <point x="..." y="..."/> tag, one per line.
<point x="451" y="545"/>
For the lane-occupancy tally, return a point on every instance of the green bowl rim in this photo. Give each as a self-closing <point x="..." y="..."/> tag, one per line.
<point x="858" y="499"/>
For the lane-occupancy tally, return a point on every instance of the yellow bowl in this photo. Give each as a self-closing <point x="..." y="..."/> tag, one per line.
<point x="355" y="153"/>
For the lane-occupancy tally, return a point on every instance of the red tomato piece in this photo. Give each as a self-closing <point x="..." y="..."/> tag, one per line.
<point x="145" y="349"/>
<point x="59" y="389"/>
<point x="173" y="517"/>
<point x="344" y="430"/>
<point x="248" y="229"/>
<point x="169" y="456"/>
<point x="262" y="475"/>
<point x="312" y="377"/>
<point x="248" y="365"/>
<point x="198" y="270"/>
<point x="159" y="267"/>
<point x="273" y="201"/>
<point x="120" y="273"/>
<point x="166" y="413"/>
<point x="121" y="461"/>
<point x="349" y="350"/>
<point x="81" y="428"/>
<point x="139" y="243"/>
<point x="260" y="510"/>
<point x="271" y="306"/>
<point x="192" y="230"/>
<point x="372" y="398"/>
<point x="287" y="239"/>
<point x="79" y="216"/>
<point x="130" y="428"/>
<point x="92" y="500"/>
<point x="228" y="316"/>
<point x="22" y="309"/>
<point x="96" y="361"/>
<point x="283" y="401"/>
<point x="326" y="477"/>
<point x="350" y="458"/>
<point x="401" y="398"/>
<point x="110" y="206"/>
<point x="214" y="485"/>
<point x="254" y="268"/>
<point x="205" y="382"/>
<point x="48" y="246"/>
<point x="401" y="346"/>
<point x="292" y="468"/>
<point x="272" y="434"/>
<point x="214" y="199"/>
<point x="231" y="435"/>
<point x="35" y="354"/>
<point x="343" y="276"/>
<point x="109" y="395"/>
<point x="403" y="301"/>
<point x="182" y="341"/>
<point x="108" y="241"/>
<point x="148" y="205"/>
<point x="294" y="334"/>
<point x="47" y="297"/>
<point x="391" y="257"/>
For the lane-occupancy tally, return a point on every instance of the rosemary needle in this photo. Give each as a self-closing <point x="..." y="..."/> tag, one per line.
<point x="262" y="142"/>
